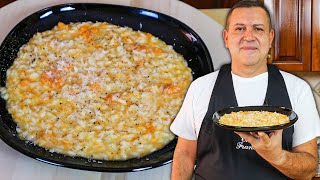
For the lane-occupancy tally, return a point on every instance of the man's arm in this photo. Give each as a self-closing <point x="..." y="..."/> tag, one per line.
<point x="301" y="163"/>
<point x="184" y="159"/>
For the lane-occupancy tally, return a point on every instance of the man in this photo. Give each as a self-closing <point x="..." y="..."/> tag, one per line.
<point x="217" y="153"/>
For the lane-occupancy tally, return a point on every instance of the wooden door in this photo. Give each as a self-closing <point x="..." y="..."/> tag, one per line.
<point x="316" y="35"/>
<point x="209" y="4"/>
<point x="291" y="50"/>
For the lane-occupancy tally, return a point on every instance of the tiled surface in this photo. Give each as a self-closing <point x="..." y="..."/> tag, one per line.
<point x="317" y="89"/>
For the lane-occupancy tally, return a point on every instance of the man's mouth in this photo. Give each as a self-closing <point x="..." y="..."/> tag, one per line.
<point x="248" y="48"/>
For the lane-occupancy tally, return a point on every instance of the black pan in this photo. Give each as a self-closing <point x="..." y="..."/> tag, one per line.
<point x="293" y="117"/>
<point x="183" y="39"/>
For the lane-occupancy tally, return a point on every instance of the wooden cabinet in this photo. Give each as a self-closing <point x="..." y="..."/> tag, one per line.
<point x="5" y="2"/>
<point x="297" y="28"/>
<point x="209" y="4"/>
<point x="316" y="35"/>
<point x="296" y="46"/>
<point x="291" y="50"/>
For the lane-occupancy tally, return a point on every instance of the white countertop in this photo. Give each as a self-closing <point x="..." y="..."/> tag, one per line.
<point x="16" y="166"/>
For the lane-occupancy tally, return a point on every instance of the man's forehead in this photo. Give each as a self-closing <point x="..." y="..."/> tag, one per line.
<point x="251" y="15"/>
<point x="251" y="24"/>
<point x="250" y="10"/>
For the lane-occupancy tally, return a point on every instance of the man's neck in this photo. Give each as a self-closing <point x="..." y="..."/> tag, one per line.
<point x="248" y="71"/>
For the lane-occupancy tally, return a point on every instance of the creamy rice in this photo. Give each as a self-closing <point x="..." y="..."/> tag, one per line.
<point x="96" y="90"/>
<point x="253" y="119"/>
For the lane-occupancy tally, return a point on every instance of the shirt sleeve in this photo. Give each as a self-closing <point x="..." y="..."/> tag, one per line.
<point x="183" y="125"/>
<point x="308" y="125"/>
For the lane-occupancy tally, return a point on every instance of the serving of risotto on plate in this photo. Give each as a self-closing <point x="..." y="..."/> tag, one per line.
<point x="254" y="119"/>
<point x="96" y="90"/>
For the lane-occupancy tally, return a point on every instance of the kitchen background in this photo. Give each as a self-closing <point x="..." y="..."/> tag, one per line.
<point x="291" y="12"/>
<point x="313" y="78"/>
<point x="296" y="48"/>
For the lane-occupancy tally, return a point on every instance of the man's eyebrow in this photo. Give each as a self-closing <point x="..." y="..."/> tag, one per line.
<point x="241" y="24"/>
<point x="258" y="25"/>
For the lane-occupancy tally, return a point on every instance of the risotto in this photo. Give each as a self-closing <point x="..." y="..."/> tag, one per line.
<point x="253" y="119"/>
<point x="96" y="90"/>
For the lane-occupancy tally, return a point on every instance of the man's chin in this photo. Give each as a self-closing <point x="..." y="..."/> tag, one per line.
<point x="249" y="60"/>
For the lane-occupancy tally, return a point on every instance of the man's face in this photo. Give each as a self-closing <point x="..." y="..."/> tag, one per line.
<point x="248" y="36"/>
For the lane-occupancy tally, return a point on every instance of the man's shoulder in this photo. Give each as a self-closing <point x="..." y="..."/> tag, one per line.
<point x="202" y="86"/>
<point x="296" y="86"/>
<point x="207" y="79"/>
<point x="292" y="80"/>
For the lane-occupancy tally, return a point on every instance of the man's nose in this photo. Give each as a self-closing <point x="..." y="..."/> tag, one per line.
<point x="248" y="35"/>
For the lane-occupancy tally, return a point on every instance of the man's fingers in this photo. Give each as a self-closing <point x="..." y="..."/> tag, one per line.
<point x="247" y="136"/>
<point x="276" y="132"/>
<point x="253" y="138"/>
<point x="255" y="135"/>
<point x="264" y="137"/>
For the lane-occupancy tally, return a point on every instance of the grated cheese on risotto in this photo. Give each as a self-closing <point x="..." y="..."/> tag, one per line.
<point x="253" y="119"/>
<point x="96" y="90"/>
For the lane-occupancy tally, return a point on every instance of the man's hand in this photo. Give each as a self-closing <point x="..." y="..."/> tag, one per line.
<point x="298" y="164"/>
<point x="267" y="146"/>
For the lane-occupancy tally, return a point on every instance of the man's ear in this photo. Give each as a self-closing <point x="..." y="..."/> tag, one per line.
<point x="271" y="37"/>
<point x="225" y="38"/>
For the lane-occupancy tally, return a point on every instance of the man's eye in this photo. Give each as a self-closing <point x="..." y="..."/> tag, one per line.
<point x="239" y="28"/>
<point x="258" y="29"/>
